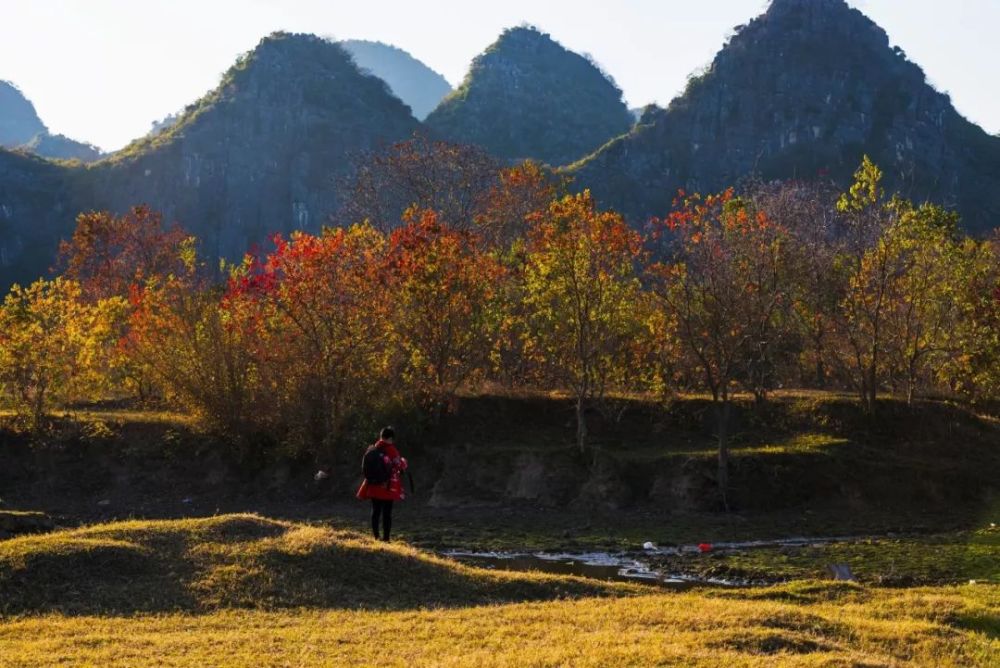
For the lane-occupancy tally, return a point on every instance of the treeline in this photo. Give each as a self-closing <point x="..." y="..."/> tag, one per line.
<point x="495" y="274"/>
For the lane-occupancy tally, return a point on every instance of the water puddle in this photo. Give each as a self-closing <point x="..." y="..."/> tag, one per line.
<point x="595" y="565"/>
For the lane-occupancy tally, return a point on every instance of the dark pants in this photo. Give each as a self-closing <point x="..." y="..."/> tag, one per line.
<point x="383" y="509"/>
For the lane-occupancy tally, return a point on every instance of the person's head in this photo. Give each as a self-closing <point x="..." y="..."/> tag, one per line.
<point x="387" y="434"/>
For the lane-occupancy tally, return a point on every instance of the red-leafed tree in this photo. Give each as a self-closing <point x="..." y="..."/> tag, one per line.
<point x="315" y="316"/>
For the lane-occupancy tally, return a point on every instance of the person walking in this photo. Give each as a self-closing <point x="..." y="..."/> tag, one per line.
<point x="383" y="468"/>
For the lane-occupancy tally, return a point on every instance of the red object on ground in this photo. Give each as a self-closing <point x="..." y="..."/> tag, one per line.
<point x="704" y="547"/>
<point x="393" y="489"/>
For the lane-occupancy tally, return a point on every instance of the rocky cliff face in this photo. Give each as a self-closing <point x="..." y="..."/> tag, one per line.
<point x="528" y="97"/>
<point x="805" y="89"/>
<point x="413" y="82"/>
<point x="260" y="154"/>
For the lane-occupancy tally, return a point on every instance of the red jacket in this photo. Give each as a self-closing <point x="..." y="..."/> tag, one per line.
<point x="393" y="489"/>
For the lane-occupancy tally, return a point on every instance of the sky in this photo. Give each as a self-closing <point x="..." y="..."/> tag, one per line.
<point x="103" y="70"/>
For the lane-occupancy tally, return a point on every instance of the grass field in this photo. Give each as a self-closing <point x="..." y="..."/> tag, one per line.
<point x="300" y="584"/>
<point x="242" y="590"/>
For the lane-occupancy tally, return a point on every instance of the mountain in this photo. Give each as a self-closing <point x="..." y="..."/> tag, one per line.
<point x="805" y="89"/>
<point x="21" y="128"/>
<point x="262" y="152"/>
<point x="19" y="122"/>
<point x="61" y="147"/>
<point x="37" y="207"/>
<point x="528" y="97"/>
<point x="410" y="80"/>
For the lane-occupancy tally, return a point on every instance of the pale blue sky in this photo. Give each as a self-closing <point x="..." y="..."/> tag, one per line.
<point x="103" y="70"/>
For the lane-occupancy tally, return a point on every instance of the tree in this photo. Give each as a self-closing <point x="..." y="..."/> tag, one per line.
<point x="872" y="263"/>
<point x="973" y="368"/>
<point x="445" y="309"/>
<point x="315" y="313"/>
<point x="520" y="194"/>
<point x="54" y="346"/>
<point x="454" y="180"/>
<point x="923" y="300"/>
<point x="807" y="213"/>
<point x="581" y="292"/>
<point x="107" y="254"/>
<point x="184" y="341"/>
<point x="726" y="287"/>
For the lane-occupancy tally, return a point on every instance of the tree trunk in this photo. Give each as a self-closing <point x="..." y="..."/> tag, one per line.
<point x="581" y="424"/>
<point x="872" y="387"/>
<point x="722" y="428"/>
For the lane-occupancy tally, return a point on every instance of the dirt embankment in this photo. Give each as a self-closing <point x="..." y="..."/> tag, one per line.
<point x="795" y="452"/>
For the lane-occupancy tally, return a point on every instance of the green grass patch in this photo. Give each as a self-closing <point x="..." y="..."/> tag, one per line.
<point x="947" y="558"/>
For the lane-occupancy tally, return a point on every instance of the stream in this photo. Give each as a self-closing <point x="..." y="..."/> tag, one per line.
<point x="634" y="566"/>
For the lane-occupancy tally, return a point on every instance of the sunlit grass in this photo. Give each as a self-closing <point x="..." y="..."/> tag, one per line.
<point x="805" y="624"/>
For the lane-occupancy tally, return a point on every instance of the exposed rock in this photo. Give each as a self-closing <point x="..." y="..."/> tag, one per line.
<point x="528" y="97"/>
<point x="806" y="89"/>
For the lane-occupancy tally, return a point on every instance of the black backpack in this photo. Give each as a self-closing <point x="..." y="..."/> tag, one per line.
<point x="374" y="467"/>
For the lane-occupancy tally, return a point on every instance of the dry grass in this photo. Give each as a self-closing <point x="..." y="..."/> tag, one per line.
<point x="242" y="590"/>
<point x="793" y="625"/>
<point x="246" y="561"/>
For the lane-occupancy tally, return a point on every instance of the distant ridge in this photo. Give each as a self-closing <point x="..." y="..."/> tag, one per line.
<point x="410" y="80"/>
<point x="21" y="128"/>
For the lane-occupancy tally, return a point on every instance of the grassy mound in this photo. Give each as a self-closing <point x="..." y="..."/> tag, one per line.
<point x="246" y="561"/>
<point x="803" y="624"/>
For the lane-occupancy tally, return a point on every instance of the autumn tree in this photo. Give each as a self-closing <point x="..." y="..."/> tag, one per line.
<point x="55" y="346"/>
<point x="108" y="254"/>
<point x="520" y="194"/>
<point x="445" y="308"/>
<point x="924" y="297"/>
<point x="316" y="312"/>
<point x="807" y="212"/>
<point x="873" y="264"/>
<point x="726" y="288"/>
<point x="182" y="338"/>
<point x="455" y="180"/>
<point x="581" y="292"/>
<point x="973" y="367"/>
